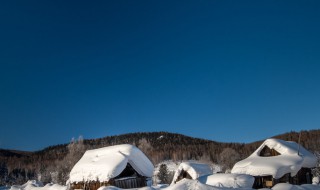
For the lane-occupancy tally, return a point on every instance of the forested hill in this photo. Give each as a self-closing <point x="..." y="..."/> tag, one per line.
<point x="55" y="162"/>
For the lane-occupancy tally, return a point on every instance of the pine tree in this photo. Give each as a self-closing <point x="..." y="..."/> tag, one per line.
<point x="163" y="174"/>
<point x="3" y="174"/>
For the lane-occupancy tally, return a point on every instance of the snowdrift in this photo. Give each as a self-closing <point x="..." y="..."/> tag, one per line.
<point x="187" y="184"/>
<point x="228" y="180"/>
<point x="36" y="185"/>
<point x="184" y="184"/>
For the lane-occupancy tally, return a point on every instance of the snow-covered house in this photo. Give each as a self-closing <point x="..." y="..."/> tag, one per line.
<point x="191" y="170"/>
<point x="278" y="161"/>
<point x="123" y="166"/>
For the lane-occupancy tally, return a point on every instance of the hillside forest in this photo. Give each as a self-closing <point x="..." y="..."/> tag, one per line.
<point x="54" y="163"/>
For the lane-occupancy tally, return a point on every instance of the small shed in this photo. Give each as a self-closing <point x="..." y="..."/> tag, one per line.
<point x="191" y="170"/>
<point x="278" y="161"/>
<point x="123" y="166"/>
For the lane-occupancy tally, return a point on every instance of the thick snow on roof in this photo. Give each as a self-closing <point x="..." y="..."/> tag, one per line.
<point x="194" y="169"/>
<point x="228" y="180"/>
<point x="287" y="162"/>
<point x="105" y="163"/>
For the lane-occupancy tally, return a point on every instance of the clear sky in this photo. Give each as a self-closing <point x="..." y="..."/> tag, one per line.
<point x="230" y="71"/>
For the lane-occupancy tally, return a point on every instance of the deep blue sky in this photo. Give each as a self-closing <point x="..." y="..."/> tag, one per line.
<point x="235" y="71"/>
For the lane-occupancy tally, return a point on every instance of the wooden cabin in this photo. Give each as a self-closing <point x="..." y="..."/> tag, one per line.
<point x="278" y="161"/>
<point x="183" y="175"/>
<point x="191" y="170"/>
<point x="123" y="166"/>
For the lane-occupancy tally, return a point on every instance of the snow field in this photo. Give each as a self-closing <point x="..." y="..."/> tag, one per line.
<point x="184" y="184"/>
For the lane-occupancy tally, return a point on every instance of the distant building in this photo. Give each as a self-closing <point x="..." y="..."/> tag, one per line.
<point x="278" y="161"/>
<point x="191" y="170"/>
<point x="123" y="166"/>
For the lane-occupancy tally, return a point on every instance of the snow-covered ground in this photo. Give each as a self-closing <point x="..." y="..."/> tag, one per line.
<point x="184" y="184"/>
<point x="36" y="185"/>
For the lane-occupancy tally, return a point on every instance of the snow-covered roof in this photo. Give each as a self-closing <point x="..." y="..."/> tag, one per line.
<point x="105" y="163"/>
<point x="228" y="180"/>
<point x="289" y="161"/>
<point x="194" y="169"/>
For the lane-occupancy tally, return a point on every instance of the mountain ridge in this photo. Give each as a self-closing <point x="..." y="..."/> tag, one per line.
<point x="294" y="137"/>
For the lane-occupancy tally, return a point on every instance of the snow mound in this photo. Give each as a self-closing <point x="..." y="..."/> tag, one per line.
<point x="194" y="169"/>
<point x="36" y="185"/>
<point x="228" y="180"/>
<point x="289" y="161"/>
<point x="316" y="180"/>
<point x="29" y="185"/>
<point x="286" y="186"/>
<point x="105" y="163"/>
<point x="117" y="188"/>
<point x="187" y="184"/>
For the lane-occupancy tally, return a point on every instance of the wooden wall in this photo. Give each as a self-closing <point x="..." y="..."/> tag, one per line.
<point x="124" y="183"/>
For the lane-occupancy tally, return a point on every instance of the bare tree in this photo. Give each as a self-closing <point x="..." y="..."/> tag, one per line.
<point x="76" y="149"/>
<point x="228" y="157"/>
<point x="144" y="146"/>
<point x="316" y="170"/>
